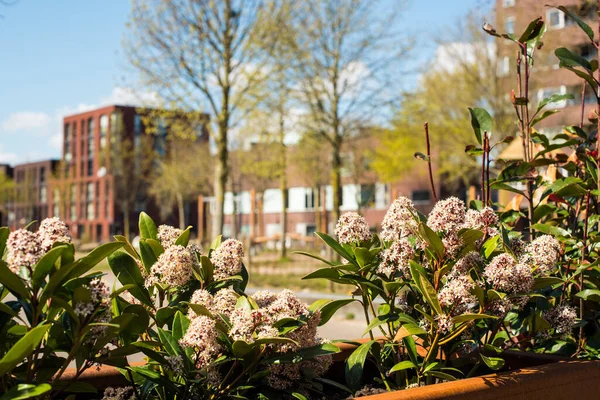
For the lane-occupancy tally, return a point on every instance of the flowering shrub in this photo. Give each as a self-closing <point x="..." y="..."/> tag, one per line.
<point x="557" y="180"/>
<point x="53" y="311"/>
<point x="203" y="336"/>
<point x="455" y="288"/>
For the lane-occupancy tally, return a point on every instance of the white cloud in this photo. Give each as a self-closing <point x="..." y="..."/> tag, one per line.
<point x="130" y="97"/>
<point x="47" y="128"/>
<point x="7" y="157"/>
<point x="449" y="55"/>
<point x="26" y="121"/>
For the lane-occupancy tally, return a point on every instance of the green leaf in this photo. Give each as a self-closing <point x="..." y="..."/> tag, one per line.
<point x="148" y="256"/>
<point x="4" y="232"/>
<point x="533" y="30"/>
<point x="542" y="117"/>
<point x="184" y="238"/>
<point x="304" y="253"/>
<point x="207" y="269"/>
<point x="95" y="256"/>
<point x="440" y="375"/>
<point x="586" y="28"/>
<point x="402" y="365"/>
<point x="411" y="349"/>
<point x="216" y="242"/>
<point x="589" y="294"/>
<point x="481" y="121"/>
<point x="26" y="391"/>
<point x="355" y="364"/>
<point x="334" y="384"/>
<point x="408" y="330"/>
<point x="551" y="230"/>
<point x="335" y="246"/>
<point x="181" y="324"/>
<point x="127" y="246"/>
<point x="22" y="349"/>
<point x="570" y="59"/>
<point x="329" y="309"/>
<point x="45" y="264"/>
<point x="169" y="342"/>
<point x="12" y="282"/>
<point x="331" y="274"/>
<point x="435" y="243"/>
<point x="147" y="227"/>
<point x="544" y="282"/>
<point x="429" y="294"/>
<point x="471" y="317"/>
<point x="127" y="272"/>
<point x="494" y="363"/>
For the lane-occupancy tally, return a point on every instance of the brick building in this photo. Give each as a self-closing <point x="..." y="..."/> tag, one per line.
<point x="256" y="213"/>
<point x="104" y="153"/>
<point x="31" y="195"/>
<point x="6" y="174"/>
<point x="513" y="16"/>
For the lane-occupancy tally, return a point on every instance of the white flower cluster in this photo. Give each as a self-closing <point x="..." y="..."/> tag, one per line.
<point x="456" y="295"/>
<point x="99" y="298"/>
<point x="544" y="251"/>
<point x="508" y="275"/>
<point x="352" y="228"/>
<point x="223" y="302"/>
<point x="399" y="220"/>
<point x="447" y="215"/>
<point x="25" y="248"/>
<point x="562" y="318"/>
<point x="202" y="336"/>
<point x="396" y="258"/>
<point x="174" y="267"/>
<point x="227" y="259"/>
<point x="252" y="324"/>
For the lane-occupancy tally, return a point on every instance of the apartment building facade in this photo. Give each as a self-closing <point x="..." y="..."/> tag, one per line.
<point x="513" y="16"/>
<point x="30" y="197"/>
<point x="254" y="213"/>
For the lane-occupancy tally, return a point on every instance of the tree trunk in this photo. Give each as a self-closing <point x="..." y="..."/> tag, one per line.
<point x="283" y="181"/>
<point x="317" y="205"/>
<point x="126" y="228"/>
<point x="181" y="211"/>
<point x="336" y="177"/>
<point x="221" y="174"/>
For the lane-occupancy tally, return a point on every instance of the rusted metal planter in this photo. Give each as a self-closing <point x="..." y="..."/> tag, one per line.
<point x="528" y="377"/>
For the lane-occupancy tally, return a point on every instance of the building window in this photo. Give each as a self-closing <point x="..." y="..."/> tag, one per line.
<point x="555" y="19"/>
<point x="103" y="131"/>
<point x="90" y="201"/>
<point x="510" y="25"/>
<point x="68" y="141"/>
<point x="508" y="3"/>
<point x="547" y="92"/>
<point x="43" y="194"/>
<point x="90" y="167"/>
<point x="420" y="196"/>
<point x="504" y="67"/>
<point x="367" y="195"/>
<point x="309" y="199"/>
<point x="90" y="143"/>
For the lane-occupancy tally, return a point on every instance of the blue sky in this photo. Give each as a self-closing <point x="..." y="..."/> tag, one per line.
<point x="59" y="57"/>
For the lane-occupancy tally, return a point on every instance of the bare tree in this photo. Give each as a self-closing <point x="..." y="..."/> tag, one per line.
<point x="130" y="166"/>
<point x="198" y="55"/>
<point x="345" y="68"/>
<point x="181" y="177"/>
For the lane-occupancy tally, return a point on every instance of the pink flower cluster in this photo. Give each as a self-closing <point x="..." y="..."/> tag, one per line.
<point x="352" y="228"/>
<point x="222" y="302"/>
<point x="227" y="259"/>
<point x="173" y="267"/>
<point x="202" y="336"/>
<point x="25" y="248"/>
<point x="508" y="275"/>
<point x="168" y="235"/>
<point x="562" y="318"/>
<point x="400" y="220"/>
<point x="396" y="258"/>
